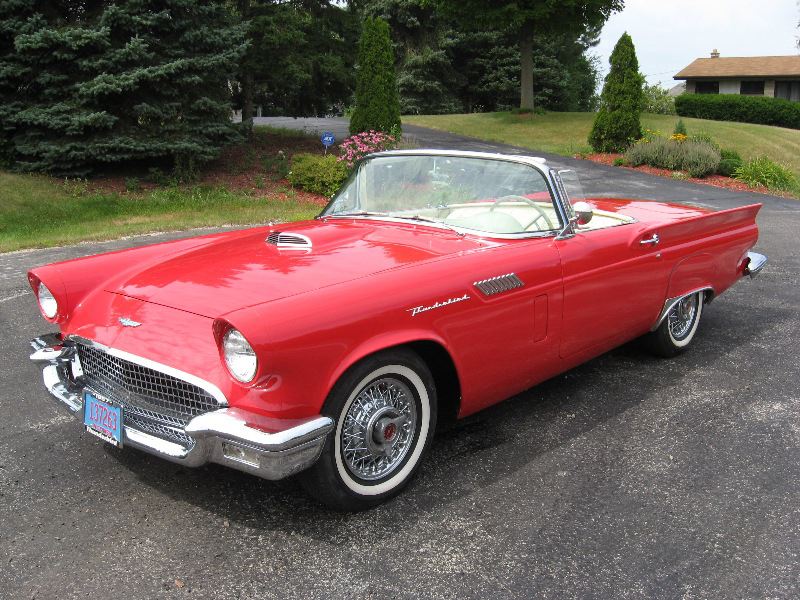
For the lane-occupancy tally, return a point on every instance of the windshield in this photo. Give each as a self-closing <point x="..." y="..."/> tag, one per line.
<point x="487" y="195"/>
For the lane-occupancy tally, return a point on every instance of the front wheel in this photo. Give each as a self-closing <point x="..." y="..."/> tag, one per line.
<point x="385" y="413"/>
<point x="677" y="330"/>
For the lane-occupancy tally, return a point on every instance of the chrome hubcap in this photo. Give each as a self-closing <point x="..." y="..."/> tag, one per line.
<point x="378" y="429"/>
<point x="681" y="317"/>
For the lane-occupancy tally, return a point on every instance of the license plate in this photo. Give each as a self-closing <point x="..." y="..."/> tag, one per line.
<point x="102" y="418"/>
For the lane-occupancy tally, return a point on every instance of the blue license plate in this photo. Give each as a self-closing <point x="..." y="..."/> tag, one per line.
<point x="102" y="418"/>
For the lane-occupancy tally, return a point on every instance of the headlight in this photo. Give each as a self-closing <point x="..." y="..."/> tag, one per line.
<point x="47" y="302"/>
<point x="239" y="356"/>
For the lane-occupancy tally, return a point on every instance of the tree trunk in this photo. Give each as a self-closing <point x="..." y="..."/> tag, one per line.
<point x="526" y="60"/>
<point x="247" y="78"/>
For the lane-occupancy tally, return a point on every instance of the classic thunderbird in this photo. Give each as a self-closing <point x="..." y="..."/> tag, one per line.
<point x="434" y="284"/>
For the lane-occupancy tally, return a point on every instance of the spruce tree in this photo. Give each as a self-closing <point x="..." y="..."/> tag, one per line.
<point x="377" y="105"/>
<point x="99" y="82"/>
<point x="617" y="123"/>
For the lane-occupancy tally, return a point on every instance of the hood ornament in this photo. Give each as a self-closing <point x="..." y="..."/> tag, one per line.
<point x="126" y="322"/>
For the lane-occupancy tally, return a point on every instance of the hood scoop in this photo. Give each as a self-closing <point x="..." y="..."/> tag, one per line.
<point x="289" y="241"/>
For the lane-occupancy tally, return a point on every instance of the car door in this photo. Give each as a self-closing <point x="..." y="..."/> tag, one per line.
<point x="614" y="285"/>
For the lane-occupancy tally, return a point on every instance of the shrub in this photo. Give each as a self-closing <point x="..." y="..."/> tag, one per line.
<point x="765" y="172"/>
<point x="619" y="162"/>
<point x="728" y="153"/>
<point x="697" y="158"/>
<point x="617" y="124"/>
<point x="657" y="100"/>
<point x="744" y="109"/>
<point x="705" y="137"/>
<point x="377" y="103"/>
<point x="318" y="174"/>
<point x="727" y="166"/>
<point x="680" y="128"/>
<point x="358" y="146"/>
<point x="132" y="184"/>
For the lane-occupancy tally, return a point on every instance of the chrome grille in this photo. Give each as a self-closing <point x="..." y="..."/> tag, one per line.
<point x="495" y="285"/>
<point x="152" y="401"/>
<point x="289" y="240"/>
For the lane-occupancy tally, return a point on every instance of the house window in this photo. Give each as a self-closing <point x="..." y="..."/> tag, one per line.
<point x="752" y="88"/>
<point x="788" y="90"/>
<point x="706" y="87"/>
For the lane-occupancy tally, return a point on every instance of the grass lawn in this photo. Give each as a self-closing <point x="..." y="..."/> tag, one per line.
<point x="39" y="211"/>
<point x="566" y="133"/>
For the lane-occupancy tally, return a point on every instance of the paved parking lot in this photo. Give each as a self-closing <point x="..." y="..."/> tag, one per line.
<point x="628" y="477"/>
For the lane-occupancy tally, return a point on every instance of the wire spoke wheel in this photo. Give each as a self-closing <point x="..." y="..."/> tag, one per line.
<point x="378" y="429"/>
<point x="385" y="412"/>
<point x="682" y="317"/>
<point x="676" y="331"/>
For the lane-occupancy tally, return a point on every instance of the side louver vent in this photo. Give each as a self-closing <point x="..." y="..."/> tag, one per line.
<point x="495" y="285"/>
<point x="294" y="241"/>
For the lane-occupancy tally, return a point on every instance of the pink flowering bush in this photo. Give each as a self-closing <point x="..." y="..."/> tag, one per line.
<point x="359" y="145"/>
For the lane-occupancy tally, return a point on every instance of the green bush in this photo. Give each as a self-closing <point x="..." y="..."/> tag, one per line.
<point x="744" y="109"/>
<point x="697" y="158"/>
<point x="731" y="154"/>
<point x="680" y="127"/>
<point x="617" y="123"/>
<point x="728" y="166"/>
<point x="318" y="174"/>
<point x="657" y="100"/>
<point x="765" y="172"/>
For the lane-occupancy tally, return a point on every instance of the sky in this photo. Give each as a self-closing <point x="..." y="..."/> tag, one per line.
<point x="670" y="34"/>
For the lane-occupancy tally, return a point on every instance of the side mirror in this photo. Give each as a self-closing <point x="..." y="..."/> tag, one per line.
<point x="584" y="212"/>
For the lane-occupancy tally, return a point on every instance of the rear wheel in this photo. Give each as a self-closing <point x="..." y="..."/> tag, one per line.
<point x="677" y="330"/>
<point x="385" y="413"/>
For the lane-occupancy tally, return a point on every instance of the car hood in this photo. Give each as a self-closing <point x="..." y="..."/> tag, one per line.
<point x="241" y="269"/>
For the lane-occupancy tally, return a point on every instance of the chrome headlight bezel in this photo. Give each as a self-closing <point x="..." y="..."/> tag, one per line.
<point x="240" y="358"/>
<point x="47" y="301"/>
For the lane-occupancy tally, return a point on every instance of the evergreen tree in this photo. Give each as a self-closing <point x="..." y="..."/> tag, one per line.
<point x="445" y="67"/>
<point x="301" y="57"/>
<point x="377" y="105"/>
<point x="617" y="123"/>
<point x="529" y="19"/>
<point x="92" y="83"/>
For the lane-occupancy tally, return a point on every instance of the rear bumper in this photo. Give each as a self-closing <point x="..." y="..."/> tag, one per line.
<point x="267" y="447"/>
<point x="755" y="262"/>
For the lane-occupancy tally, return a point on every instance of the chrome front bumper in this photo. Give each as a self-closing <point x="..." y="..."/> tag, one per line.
<point x="267" y="447"/>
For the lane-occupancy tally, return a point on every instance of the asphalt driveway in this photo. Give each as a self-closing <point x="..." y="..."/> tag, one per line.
<point x="627" y="477"/>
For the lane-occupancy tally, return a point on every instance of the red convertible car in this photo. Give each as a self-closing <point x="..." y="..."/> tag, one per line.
<point x="433" y="285"/>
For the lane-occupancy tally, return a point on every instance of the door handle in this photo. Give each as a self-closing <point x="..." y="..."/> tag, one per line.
<point x="653" y="240"/>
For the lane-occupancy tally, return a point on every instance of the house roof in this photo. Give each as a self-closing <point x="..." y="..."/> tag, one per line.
<point x="742" y="66"/>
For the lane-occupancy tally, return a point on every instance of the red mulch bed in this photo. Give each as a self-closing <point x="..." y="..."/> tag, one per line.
<point x="253" y="167"/>
<point x="715" y="180"/>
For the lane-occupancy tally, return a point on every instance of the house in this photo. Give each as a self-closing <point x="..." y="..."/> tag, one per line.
<point x="770" y="76"/>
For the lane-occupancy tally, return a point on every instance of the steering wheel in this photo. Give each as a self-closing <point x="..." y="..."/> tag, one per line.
<point x="541" y="215"/>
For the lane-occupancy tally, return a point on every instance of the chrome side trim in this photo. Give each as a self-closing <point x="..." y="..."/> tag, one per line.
<point x="671" y="302"/>
<point x="151" y="364"/>
<point x="501" y="283"/>
<point x="755" y="262"/>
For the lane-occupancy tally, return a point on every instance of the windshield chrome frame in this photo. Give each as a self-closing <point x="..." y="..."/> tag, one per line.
<point x="559" y="197"/>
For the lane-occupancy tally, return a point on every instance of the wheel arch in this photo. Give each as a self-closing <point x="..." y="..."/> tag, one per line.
<point x="433" y="353"/>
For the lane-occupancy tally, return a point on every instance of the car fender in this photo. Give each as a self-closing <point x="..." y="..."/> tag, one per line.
<point x="384" y="341"/>
<point x="691" y="274"/>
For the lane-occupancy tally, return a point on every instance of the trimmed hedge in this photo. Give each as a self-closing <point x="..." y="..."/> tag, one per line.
<point x="744" y="109"/>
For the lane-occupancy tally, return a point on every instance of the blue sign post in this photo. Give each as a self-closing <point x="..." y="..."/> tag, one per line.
<point x="327" y="140"/>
